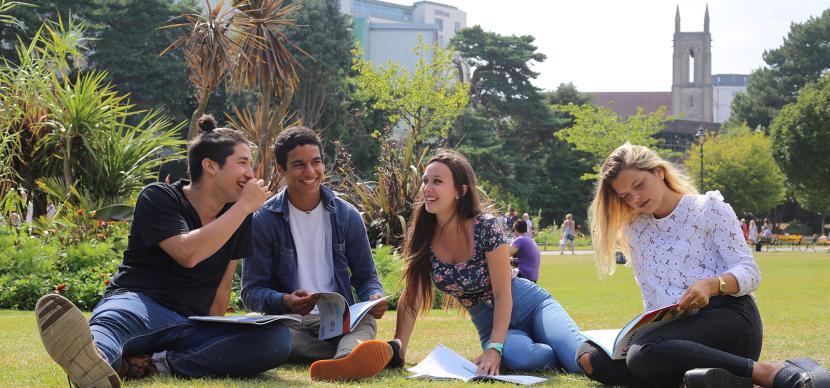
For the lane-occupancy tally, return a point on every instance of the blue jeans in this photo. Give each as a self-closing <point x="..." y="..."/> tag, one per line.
<point x="541" y="334"/>
<point x="127" y="323"/>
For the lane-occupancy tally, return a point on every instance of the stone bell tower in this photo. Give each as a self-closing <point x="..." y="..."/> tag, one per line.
<point x="691" y="91"/>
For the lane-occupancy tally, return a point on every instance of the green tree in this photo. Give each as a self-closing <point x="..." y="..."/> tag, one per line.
<point x="501" y="76"/>
<point x="507" y="133"/>
<point x="598" y="130"/>
<point x="740" y="165"/>
<point x="800" y="137"/>
<point x="128" y="46"/>
<point x="423" y="105"/>
<point x="324" y="35"/>
<point x="323" y="100"/>
<point x="802" y="58"/>
<point x="71" y="124"/>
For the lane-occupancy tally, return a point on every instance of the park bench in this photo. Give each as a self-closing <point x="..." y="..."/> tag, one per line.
<point x="792" y="240"/>
<point x="769" y="242"/>
<point x="807" y="243"/>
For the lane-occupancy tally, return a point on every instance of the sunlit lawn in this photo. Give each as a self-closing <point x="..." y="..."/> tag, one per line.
<point x="794" y="302"/>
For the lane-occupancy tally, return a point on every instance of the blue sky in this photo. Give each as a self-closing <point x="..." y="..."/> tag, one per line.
<point x="614" y="45"/>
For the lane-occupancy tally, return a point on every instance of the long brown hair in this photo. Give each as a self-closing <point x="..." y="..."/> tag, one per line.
<point x="416" y="249"/>
<point x="608" y="213"/>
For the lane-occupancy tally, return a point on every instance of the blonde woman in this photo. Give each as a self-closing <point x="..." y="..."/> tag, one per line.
<point x="686" y="248"/>
<point x="753" y="232"/>
<point x="568" y="234"/>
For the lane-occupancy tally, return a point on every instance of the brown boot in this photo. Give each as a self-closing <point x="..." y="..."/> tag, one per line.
<point x="136" y="367"/>
<point x="366" y="360"/>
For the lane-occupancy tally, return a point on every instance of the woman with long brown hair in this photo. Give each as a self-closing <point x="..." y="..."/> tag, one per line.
<point x="455" y="245"/>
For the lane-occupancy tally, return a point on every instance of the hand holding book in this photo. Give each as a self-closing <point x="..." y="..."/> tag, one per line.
<point x="300" y="301"/>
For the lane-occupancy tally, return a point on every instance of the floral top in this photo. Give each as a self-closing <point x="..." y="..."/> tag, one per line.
<point x="469" y="282"/>
<point x="700" y="238"/>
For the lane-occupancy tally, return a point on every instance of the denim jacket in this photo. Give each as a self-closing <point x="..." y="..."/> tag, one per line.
<point x="271" y="271"/>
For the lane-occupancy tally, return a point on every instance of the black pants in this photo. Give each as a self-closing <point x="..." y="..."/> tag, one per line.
<point x="726" y="334"/>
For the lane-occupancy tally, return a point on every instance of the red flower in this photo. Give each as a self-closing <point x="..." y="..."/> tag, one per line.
<point x="60" y="287"/>
<point x="106" y="282"/>
<point x="80" y="212"/>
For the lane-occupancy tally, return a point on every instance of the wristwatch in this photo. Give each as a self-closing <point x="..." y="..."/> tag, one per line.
<point x="496" y="345"/>
<point x="721" y="286"/>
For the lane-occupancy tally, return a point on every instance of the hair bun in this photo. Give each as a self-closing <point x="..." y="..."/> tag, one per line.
<point x="207" y="123"/>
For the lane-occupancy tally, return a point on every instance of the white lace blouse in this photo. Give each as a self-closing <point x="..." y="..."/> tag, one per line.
<point x="701" y="238"/>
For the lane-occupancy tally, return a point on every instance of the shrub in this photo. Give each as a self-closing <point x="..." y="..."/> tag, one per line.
<point x="390" y="270"/>
<point x="799" y="227"/>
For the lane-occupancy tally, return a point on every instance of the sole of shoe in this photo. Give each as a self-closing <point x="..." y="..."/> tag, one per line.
<point x="66" y="336"/>
<point x="366" y="360"/>
<point x="715" y="378"/>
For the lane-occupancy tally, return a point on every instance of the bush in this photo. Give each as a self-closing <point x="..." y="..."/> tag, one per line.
<point x="799" y="227"/>
<point x="31" y="266"/>
<point x="390" y="270"/>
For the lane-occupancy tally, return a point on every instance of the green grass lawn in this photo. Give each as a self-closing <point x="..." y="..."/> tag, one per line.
<point x="793" y="299"/>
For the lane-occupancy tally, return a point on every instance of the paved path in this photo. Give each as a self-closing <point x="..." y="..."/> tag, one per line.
<point x="567" y="253"/>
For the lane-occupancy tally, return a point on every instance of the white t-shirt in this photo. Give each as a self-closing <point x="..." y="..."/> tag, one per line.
<point x="529" y="228"/>
<point x="701" y="238"/>
<point x="312" y="240"/>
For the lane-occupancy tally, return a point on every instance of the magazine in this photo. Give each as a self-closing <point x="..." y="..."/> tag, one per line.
<point x="616" y="342"/>
<point x="337" y="317"/>
<point x="250" y="319"/>
<point x="443" y="363"/>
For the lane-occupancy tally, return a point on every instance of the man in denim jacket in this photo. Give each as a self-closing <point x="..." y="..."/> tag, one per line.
<point x="307" y="240"/>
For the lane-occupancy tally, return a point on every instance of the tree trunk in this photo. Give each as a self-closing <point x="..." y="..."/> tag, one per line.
<point x="194" y="119"/>
<point x="67" y="167"/>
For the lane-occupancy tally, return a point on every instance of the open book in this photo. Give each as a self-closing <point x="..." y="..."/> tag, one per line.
<point x="337" y="317"/>
<point x="251" y="319"/>
<point x="443" y="363"/>
<point x="616" y="342"/>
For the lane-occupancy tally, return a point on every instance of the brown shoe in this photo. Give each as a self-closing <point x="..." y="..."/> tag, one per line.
<point x="135" y="367"/>
<point x="65" y="333"/>
<point x="366" y="360"/>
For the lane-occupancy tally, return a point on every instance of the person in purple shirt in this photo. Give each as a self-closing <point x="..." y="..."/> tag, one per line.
<point x="525" y="252"/>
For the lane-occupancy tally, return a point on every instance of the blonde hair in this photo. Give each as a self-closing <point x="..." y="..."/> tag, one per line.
<point x="608" y="213"/>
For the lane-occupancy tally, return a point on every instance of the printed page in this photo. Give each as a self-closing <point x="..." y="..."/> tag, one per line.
<point x="602" y="338"/>
<point x="244" y="319"/>
<point x="332" y="308"/>
<point x="359" y="310"/>
<point x="443" y="363"/>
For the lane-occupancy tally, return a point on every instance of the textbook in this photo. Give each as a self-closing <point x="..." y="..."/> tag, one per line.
<point x="443" y="363"/>
<point x="251" y="319"/>
<point x="337" y="317"/>
<point x="616" y="342"/>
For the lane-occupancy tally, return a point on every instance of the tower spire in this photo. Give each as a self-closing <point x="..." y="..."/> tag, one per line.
<point x="706" y="19"/>
<point x="677" y="19"/>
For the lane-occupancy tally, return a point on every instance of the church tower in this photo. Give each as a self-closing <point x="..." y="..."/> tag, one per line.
<point x="691" y="91"/>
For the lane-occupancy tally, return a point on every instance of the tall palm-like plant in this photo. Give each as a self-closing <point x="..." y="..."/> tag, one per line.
<point x="80" y="109"/>
<point x="208" y="51"/>
<point x="56" y="50"/>
<point x="266" y="64"/>
<point x="246" y="46"/>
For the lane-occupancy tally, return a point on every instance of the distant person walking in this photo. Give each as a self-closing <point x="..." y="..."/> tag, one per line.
<point x="567" y="234"/>
<point x="529" y="223"/>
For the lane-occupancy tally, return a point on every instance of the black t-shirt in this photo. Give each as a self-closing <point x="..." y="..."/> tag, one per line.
<point x="162" y="211"/>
